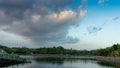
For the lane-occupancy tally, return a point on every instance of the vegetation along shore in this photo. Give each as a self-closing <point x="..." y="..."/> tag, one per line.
<point x="105" y="54"/>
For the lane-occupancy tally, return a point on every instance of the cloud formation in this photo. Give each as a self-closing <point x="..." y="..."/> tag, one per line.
<point x="102" y="1"/>
<point x="114" y="18"/>
<point x="41" y="20"/>
<point x="95" y="29"/>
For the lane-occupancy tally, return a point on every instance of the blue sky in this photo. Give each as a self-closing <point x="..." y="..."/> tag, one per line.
<point x="77" y="24"/>
<point x="100" y="26"/>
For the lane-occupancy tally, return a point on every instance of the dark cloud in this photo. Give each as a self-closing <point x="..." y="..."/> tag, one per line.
<point x="22" y="8"/>
<point x="41" y="20"/>
<point x="15" y="8"/>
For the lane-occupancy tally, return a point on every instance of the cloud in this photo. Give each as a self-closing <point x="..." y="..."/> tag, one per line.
<point x="115" y="18"/>
<point x="67" y="40"/>
<point x="40" y="20"/>
<point x="111" y="20"/>
<point x="102" y="1"/>
<point x="8" y="38"/>
<point x="3" y="16"/>
<point x="72" y="40"/>
<point x="93" y="29"/>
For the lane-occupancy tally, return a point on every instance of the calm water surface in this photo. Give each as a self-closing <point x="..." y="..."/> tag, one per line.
<point x="52" y="62"/>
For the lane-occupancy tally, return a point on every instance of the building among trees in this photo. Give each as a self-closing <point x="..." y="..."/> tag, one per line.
<point x="2" y="52"/>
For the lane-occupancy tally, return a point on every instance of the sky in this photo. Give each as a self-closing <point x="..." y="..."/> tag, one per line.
<point x="77" y="24"/>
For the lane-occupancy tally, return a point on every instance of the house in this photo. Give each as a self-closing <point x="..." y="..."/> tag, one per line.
<point x="2" y="52"/>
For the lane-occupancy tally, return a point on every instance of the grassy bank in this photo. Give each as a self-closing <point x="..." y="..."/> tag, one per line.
<point x="108" y="59"/>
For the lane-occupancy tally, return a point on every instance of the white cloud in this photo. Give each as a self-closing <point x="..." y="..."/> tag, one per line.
<point x="102" y="1"/>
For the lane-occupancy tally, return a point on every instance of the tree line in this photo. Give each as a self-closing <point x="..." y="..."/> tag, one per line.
<point x="109" y="51"/>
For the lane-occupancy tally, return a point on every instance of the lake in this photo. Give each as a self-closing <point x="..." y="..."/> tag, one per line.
<point x="54" y="62"/>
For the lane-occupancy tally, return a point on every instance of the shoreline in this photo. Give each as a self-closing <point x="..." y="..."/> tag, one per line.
<point x="108" y="59"/>
<point x="98" y="58"/>
<point x="58" y="56"/>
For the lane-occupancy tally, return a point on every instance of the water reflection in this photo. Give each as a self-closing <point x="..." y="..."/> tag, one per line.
<point x="57" y="62"/>
<point x="110" y="64"/>
<point x="50" y="60"/>
<point x="60" y="61"/>
<point x="8" y="64"/>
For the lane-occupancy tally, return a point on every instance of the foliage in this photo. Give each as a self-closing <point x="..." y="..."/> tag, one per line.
<point x="109" y="51"/>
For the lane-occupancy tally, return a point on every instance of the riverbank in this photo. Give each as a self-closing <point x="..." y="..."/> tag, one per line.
<point x="99" y="58"/>
<point x="112" y="61"/>
<point x="108" y="59"/>
<point x="60" y="56"/>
